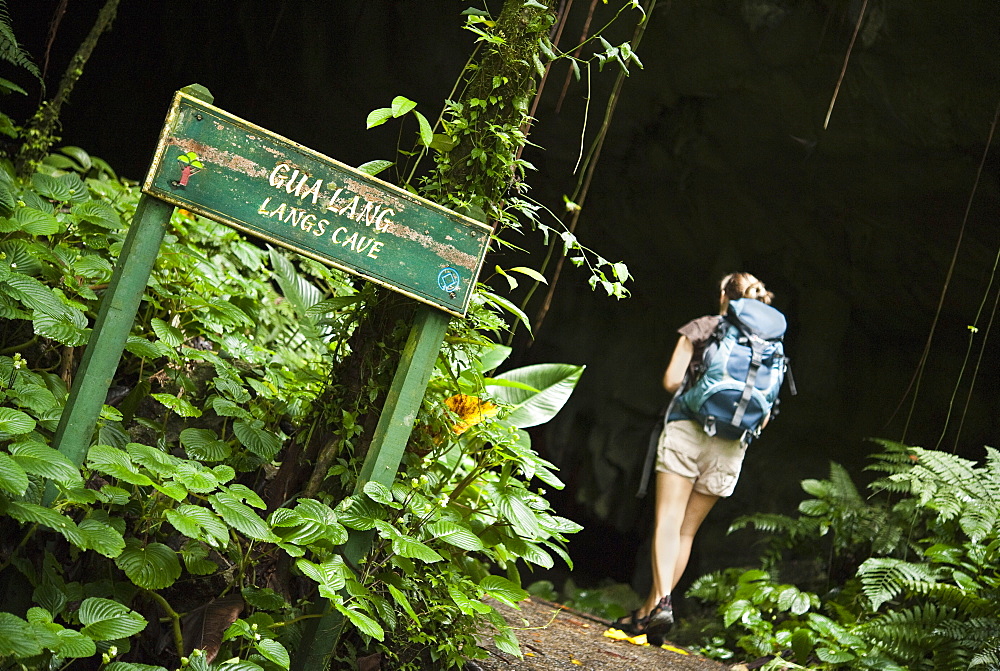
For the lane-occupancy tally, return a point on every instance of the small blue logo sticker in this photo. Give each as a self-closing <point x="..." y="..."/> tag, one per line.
<point x="449" y="280"/>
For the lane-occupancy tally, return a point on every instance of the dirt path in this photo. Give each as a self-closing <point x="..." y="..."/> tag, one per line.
<point x="553" y="638"/>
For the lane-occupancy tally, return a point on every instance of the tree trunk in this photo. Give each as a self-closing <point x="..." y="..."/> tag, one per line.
<point x="378" y="338"/>
<point x="40" y="129"/>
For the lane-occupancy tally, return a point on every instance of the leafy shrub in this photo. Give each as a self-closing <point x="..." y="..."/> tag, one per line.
<point x="165" y="530"/>
<point x="924" y="596"/>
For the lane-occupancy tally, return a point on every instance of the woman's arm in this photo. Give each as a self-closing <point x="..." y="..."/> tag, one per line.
<point x="676" y="369"/>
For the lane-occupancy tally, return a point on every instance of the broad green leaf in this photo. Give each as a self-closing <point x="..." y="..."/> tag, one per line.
<point x="116" y="463"/>
<point x="36" y="222"/>
<point x="12" y="477"/>
<point x="378" y="117"/>
<point x="7" y="202"/>
<point x="146" y="349"/>
<point x="261" y="442"/>
<point x="16" y="639"/>
<point x="106" y="620"/>
<point x="273" y="651"/>
<point x="50" y="187"/>
<point x="506" y="641"/>
<point x="180" y="406"/>
<point x="226" y="408"/>
<point x="513" y="507"/>
<point x="33" y="513"/>
<point x="467" y="605"/>
<point x="73" y="644"/>
<point x="378" y="492"/>
<point x="507" y="305"/>
<point x="309" y="522"/>
<point x="171" y="335"/>
<point x="359" y="513"/>
<point x="204" y="444"/>
<point x="530" y="552"/>
<point x="264" y="598"/>
<point x="375" y="167"/>
<point x="404" y="603"/>
<point x="244" y="493"/>
<point x="98" y="213"/>
<point x="443" y="142"/>
<point x="455" y="534"/>
<point x="151" y="566"/>
<point x="196" y="478"/>
<point x="154" y="459"/>
<point x="102" y="538"/>
<point x="502" y="589"/>
<point x="411" y="547"/>
<point x="331" y="575"/>
<point x="93" y="266"/>
<point x="401" y="105"/>
<point x="39" y="459"/>
<point x="533" y="274"/>
<point x="241" y="517"/>
<point x="196" y="561"/>
<point x="34" y="397"/>
<point x="365" y="624"/>
<point x="236" y="664"/>
<point x="15" y="422"/>
<point x="36" y="295"/>
<point x="200" y="524"/>
<point x="131" y="666"/>
<point x="555" y="383"/>
<point x="425" y="133"/>
<point x="173" y="489"/>
<point x="78" y="192"/>
<point x="66" y="329"/>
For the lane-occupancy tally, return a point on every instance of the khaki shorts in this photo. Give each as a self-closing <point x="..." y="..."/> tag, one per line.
<point x="711" y="463"/>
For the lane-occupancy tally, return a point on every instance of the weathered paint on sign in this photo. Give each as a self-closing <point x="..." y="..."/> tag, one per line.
<point x="227" y="169"/>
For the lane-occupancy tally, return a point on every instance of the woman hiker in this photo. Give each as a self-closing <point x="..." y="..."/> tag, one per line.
<point x="693" y="468"/>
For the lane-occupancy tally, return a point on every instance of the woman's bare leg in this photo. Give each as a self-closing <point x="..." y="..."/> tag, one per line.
<point x="672" y="495"/>
<point x="697" y="509"/>
<point x="679" y="513"/>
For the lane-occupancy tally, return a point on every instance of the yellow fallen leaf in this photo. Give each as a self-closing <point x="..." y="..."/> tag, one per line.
<point x="619" y="635"/>
<point x="529" y="654"/>
<point x="616" y="634"/>
<point x="576" y="661"/>
<point x="673" y="649"/>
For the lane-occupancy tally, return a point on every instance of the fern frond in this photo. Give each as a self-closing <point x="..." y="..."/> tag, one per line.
<point x="991" y="471"/>
<point x="965" y="603"/>
<point x="10" y="50"/>
<point x="979" y="519"/>
<point x="987" y="659"/>
<point x="843" y="485"/>
<point x="908" y="632"/>
<point x="766" y="522"/>
<point x="951" y="657"/>
<point x="883" y="578"/>
<point x="978" y="633"/>
<point x="954" y="470"/>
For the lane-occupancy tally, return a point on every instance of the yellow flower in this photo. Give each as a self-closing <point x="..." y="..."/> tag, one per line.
<point x="471" y="410"/>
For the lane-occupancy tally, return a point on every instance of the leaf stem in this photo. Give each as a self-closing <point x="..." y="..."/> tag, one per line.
<point x="175" y="620"/>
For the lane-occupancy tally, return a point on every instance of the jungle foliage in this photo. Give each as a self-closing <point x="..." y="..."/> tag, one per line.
<point x="910" y="579"/>
<point x="189" y="536"/>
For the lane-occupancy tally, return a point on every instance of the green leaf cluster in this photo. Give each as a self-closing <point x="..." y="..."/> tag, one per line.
<point x="917" y="562"/>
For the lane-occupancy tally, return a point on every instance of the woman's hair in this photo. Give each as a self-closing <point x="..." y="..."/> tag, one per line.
<point x="745" y="285"/>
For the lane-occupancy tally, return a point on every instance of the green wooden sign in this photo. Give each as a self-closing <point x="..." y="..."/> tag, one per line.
<point x="229" y="170"/>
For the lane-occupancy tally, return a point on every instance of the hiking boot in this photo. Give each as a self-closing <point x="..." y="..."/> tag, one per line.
<point x="661" y="618"/>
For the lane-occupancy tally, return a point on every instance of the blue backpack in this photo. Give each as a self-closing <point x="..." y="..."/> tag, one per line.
<point x="742" y="369"/>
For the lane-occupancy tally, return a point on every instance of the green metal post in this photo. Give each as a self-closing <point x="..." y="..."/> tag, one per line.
<point x="114" y="321"/>
<point x="391" y="434"/>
